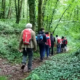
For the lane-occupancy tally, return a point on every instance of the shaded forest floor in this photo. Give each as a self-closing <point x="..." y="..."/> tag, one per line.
<point x="13" y="72"/>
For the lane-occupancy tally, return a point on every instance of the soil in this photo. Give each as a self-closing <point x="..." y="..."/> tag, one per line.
<point x="14" y="72"/>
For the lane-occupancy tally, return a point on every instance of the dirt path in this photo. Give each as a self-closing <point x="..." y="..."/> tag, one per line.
<point x="14" y="71"/>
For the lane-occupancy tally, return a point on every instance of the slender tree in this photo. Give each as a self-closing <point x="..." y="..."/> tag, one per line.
<point x="62" y="16"/>
<point x="9" y="11"/>
<point x="2" y="13"/>
<point x="39" y="14"/>
<point x="53" y="12"/>
<point x="77" y="12"/>
<point x="43" y="11"/>
<point x="32" y="12"/>
<point x="18" y="7"/>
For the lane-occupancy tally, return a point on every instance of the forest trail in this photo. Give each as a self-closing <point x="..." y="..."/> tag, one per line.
<point x="14" y="71"/>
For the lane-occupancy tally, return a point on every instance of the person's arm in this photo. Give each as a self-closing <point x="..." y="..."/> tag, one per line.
<point x="44" y="38"/>
<point x="21" y="41"/>
<point x="54" y="39"/>
<point x="34" y="40"/>
<point x="49" y="42"/>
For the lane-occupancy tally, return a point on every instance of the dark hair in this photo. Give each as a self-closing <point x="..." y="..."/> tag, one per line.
<point x="42" y="29"/>
<point x="46" y="32"/>
<point x="56" y="35"/>
<point x="62" y="37"/>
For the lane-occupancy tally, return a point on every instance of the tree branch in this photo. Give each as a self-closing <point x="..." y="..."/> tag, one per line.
<point x="61" y="17"/>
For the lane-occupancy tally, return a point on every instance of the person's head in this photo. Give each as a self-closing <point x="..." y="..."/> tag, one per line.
<point x="62" y="37"/>
<point x="46" y="32"/>
<point x="56" y="35"/>
<point x="28" y="25"/>
<point x="51" y="34"/>
<point x="42" y="29"/>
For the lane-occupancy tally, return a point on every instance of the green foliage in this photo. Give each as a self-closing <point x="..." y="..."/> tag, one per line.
<point x="5" y="28"/>
<point x="64" y="66"/>
<point x="3" y="78"/>
<point x="9" y="47"/>
<point x="9" y="41"/>
<point x="33" y="77"/>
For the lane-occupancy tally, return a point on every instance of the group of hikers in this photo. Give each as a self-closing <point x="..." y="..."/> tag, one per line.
<point x="44" y="40"/>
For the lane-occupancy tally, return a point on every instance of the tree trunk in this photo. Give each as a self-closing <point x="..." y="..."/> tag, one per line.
<point x="39" y="14"/>
<point x="18" y="7"/>
<point x="53" y="12"/>
<point x="77" y="12"/>
<point x="43" y="11"/>
<point x="32" y="12"/>
<point x="61" y="17"/>
<point x="3" y="9"/>
<point x="9" y="11"/>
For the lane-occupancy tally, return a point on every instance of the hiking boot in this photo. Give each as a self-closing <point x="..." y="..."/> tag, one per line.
<point x="23" y="66"/>
<point x="41" y="60"/>
<point x="30" y="69"/>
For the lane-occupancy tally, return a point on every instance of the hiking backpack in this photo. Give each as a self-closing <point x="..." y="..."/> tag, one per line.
<point x="64" y="41"/>
<point x="52" y="39"/>
<point x="40" y="38"/>
<point x="26" y="36"/>
<point x="59" y="41"/>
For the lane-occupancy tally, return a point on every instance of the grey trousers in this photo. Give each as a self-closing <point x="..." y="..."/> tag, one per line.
<point x="27" y="53"/>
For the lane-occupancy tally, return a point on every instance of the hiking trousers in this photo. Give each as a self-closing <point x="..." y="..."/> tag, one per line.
<point x="58" y="48"/>
<point x="42" y="52"/>
<point x="47" y="50"/>
<point x="52" y="49"/>
<point x="27" y="52"/>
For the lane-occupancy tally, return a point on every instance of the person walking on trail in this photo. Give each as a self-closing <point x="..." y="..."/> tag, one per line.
<point x="58" y="42"/>
<point x="41" y="39"/>
<point x="62" y="44"/>
<point x="52" y="38"/>
<point x="65" y="44"/>
<point x="47" y="44"/>
<point x="26" y="45"/>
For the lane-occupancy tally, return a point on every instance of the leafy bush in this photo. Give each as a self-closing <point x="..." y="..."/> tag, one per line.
<point x="9" y="47"/>
<point x="6" y="28"/>
<point x="3" y="78"/>
<point x="60" y="67"/>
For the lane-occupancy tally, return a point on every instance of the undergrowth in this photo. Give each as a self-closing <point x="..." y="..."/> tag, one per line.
<point x="3" y="78"/>
<point x="64" y="66"/>
<point x="9" y="47"/>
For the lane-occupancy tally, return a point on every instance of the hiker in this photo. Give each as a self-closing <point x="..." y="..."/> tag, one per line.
<point x="65" y="44"/>
<point x="58" y="43"/>
<point x="52" y="38"/>
<point x="62" y="44"/>
<point x="27" y="43"/>
<point x="47" y="44"/>
<point x="41" y="39"/>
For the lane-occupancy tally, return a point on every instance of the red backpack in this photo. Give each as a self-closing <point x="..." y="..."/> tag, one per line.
<point x="47" y="42"/>
<point x="26" y="36"/>
<point x="59" y="41"/>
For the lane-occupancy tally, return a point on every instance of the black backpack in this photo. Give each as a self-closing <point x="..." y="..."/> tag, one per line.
<point x="40" y="38"/>
<point x="64" y="41"/>
<point x="52" y="39"/>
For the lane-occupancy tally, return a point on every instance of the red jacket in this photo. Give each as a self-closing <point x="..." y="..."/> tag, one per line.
<point x="48" y="41"/>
